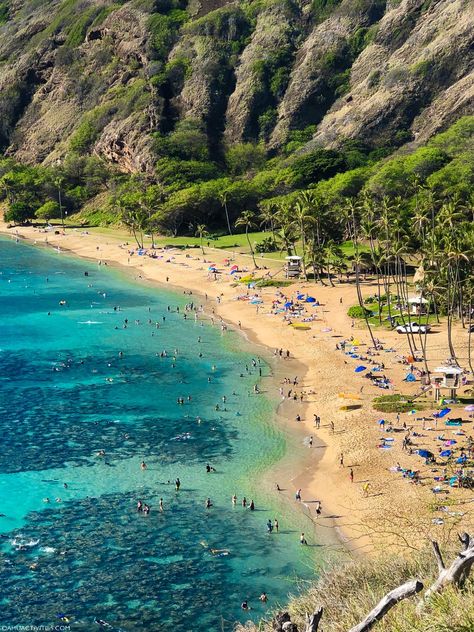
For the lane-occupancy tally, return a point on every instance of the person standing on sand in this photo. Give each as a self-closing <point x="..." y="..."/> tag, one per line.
<point x="310" y="442"/>
<point x="341" y="459"/>
<point x="332" y="427"/>
<point x="365" y="489"/>
<point x="351" y="475"/>
<point x="275" y="525"/>
<point x="303" y="540"/>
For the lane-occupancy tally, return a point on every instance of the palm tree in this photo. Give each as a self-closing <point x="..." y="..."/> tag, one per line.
<point x="301" y="220"/>
<point x="201" y="232"/>
<point x="334" y="256"/>
<point x="247" y="219"/>
<point x="223" y="197"/>
<point x="268" y="213"/>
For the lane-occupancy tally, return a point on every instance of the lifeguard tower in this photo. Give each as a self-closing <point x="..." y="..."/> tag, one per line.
<point x="446" y="378"/>
<point x="293" y="267"/>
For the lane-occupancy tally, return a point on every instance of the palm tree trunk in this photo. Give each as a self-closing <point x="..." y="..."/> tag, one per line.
<point x="303" y="248"/>
<point x="469" y="358"/>
<point x="227" y="216"/>
<point x="250" y="246"/>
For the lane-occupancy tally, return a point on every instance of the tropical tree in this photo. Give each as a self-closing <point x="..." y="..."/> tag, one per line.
<point x="201" y="232"/>
<point x="223" y="198"/>
<point x="247" y="219"/>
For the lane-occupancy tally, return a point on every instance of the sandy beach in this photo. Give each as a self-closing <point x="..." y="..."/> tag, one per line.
<point x="392" y="509"/>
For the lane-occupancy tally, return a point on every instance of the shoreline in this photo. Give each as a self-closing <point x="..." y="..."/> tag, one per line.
<point x="328" y="534"/>
<point x="362" y="522"/>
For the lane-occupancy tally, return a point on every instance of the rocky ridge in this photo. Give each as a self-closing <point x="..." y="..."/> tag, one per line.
<point x="103" y="77"/>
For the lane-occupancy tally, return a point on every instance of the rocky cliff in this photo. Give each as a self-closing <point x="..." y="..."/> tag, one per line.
<point x="105" y="77"/>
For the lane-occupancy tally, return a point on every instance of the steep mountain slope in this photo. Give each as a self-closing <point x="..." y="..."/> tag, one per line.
<point x="109" y="78"/>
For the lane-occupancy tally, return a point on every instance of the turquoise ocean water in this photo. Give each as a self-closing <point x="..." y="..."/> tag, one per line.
<point x="66" y="394"/>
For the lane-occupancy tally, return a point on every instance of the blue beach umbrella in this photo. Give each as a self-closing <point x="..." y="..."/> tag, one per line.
<point x="289" y="304"/>
<point x="360" y="368"/>
<point x="445" y="453"/>
<point x="300" y="297"/>
<point x="311" y="299"/>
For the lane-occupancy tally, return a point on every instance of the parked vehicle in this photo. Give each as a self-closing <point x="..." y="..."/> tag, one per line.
<point x="412" y="328"/>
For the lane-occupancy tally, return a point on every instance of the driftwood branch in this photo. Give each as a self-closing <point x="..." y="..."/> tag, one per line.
<point x="457" y="573"/>
<point x="312" y="622"/>
<point x="391" y="599"/>
<point x="438" y="556"/>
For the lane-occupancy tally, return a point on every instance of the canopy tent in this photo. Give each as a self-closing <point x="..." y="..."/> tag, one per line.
<point x="442" y="413"/>
<point x="425" y="454"/>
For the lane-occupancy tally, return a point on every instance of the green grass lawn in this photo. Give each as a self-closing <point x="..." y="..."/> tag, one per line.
<point x="236" y="242"/>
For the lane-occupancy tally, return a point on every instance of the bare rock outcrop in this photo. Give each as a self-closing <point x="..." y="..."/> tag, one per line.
<point x="274" y="31"/>
<point x="416" y="76"/>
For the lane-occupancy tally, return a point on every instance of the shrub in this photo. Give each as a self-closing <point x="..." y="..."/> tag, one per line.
<point x="266" y="245"/>
<point x="394" y="404"/>
<point x="356" y="311"/>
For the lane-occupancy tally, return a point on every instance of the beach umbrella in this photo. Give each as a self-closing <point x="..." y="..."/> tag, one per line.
<point x="288" y="304"/>
<point x="311" y="299"/>
<point x="410" y="377"/>
<point x="470" y="408"/>
<point x="233" y="272"/>
<point x="300" y="297"/>
<point x="360" y="368"/>
<point x="425" y="454"/>
<point x="450" y="442"/>
<point x="412" y="412"/>
<point x="461" y="459"/>
<point x="445" y="453"/>
<point x="256" y="301"/>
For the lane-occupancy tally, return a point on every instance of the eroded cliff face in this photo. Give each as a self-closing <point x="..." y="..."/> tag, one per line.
<point x="56" y="86"/>
<point x="417" y="76"/>
<point x="98" y="76"/>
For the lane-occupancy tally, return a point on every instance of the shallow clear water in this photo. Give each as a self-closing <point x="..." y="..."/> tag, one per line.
<point x="65" y="394"/>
